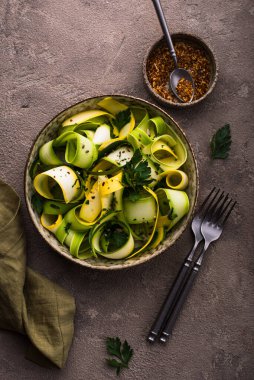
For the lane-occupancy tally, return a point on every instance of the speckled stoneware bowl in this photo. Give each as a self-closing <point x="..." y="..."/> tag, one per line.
<point x="49" y="132"/>
<point x="196" y="41"/>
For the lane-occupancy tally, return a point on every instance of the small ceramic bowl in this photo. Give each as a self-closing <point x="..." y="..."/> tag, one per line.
<point x="49" y="132"/>
<point x="195" y="41"/>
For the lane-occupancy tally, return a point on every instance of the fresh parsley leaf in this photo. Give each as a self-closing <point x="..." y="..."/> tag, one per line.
<point x="122" y="118"/>
<point x="137" y="172"/>
<point x="114" y="347"/>
<point x="134" y="197"/>
<point x="221" y="142"/>
<point x="116" y="364"/>
<point x="122" y="351"/>
<point x="37" y="203"/>
<point x="117" y="240"/>
<point x="127" y="352"/>
<point x="114" y="237"/>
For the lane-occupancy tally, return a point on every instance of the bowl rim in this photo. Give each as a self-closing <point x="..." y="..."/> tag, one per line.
<point x="214" y="62"/>
<point x="83" y="263"/>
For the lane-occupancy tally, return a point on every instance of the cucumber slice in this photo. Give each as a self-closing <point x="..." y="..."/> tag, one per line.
<point x="120" y="156"/>
<point x="102" y="134"/>
<point x="141" y="210"/>
<point x="173" y="204"/>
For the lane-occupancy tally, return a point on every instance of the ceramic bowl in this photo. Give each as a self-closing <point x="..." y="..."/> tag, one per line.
<point x="49" y="132"/>
<point x="197" y="42"/>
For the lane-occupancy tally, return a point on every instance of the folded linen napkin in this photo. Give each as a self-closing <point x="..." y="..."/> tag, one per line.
<point x="29" y="303"/>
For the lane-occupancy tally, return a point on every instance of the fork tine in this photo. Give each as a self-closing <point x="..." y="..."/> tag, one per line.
<point x="224" y="207"/>
<point x="221" y="207"/>
<point x="213" y="205"/>
<point x="208" y="208"/>
<point x="228" y="213"/>
<point x="202" y="207"/>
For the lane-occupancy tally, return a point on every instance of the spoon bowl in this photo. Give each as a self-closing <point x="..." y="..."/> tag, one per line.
<point x="175" y="76"/>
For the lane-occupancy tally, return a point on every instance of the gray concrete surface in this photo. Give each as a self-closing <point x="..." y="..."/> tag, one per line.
<point x="55" y="53"/>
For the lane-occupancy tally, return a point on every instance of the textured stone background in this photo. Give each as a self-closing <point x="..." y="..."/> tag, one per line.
<point x="55" y="53"/>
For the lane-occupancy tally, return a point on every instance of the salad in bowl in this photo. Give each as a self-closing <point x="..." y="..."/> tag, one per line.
<point x="111" y="182"/>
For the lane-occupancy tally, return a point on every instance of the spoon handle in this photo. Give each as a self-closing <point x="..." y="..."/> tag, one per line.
<point x="161" y="17"/>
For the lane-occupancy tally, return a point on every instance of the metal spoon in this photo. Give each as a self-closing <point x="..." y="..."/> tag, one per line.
<point x="177" y="73"/>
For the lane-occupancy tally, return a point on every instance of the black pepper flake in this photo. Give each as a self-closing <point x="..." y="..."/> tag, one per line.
<point x="83" y="146"/>
<point x="93" y="197"/>
<point x="103" y="183"/>
<point x="87" y="151"/>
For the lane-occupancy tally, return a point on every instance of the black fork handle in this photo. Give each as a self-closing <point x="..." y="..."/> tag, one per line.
<point x="170" y="301"/>
<point x="173" y="316"/>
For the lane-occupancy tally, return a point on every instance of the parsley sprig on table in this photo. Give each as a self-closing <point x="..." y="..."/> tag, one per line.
<point x="137" y="172"/>
<point x="221" y="142"/>
<point x="121" y="351"/>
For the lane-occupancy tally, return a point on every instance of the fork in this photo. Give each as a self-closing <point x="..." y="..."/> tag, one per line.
<point x="184" y="270"/>
<point x="211" y="229"/>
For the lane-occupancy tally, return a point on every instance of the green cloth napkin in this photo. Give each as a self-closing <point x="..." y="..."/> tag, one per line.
<point x="29" y="303"/>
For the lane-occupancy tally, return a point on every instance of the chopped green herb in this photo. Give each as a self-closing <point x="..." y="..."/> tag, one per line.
<point x="122" y="118"/>
<point x="115" y="237"/>
<point x="221" y="142"/>
<point x="123" y="352"/>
